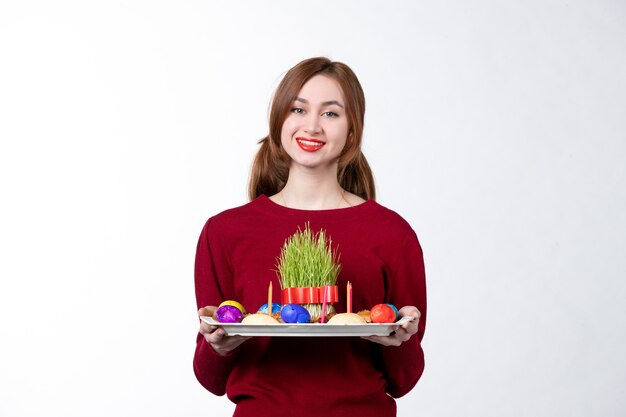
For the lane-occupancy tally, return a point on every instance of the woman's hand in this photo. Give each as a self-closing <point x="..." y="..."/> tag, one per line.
<point x="216" y="336"/>
<point x="401" y="333"/>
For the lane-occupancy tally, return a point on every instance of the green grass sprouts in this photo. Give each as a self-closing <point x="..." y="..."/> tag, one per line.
<point x="308" y="260"/>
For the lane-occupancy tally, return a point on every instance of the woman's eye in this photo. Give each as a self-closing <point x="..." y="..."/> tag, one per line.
<point x="297" y="110"/>
<point x="331" y="114"/>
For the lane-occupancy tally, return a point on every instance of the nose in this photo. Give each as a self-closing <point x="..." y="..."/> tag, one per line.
<point x="312" y="125"/>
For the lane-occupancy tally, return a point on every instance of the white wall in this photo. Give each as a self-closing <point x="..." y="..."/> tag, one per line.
<point x="496" y="128"/>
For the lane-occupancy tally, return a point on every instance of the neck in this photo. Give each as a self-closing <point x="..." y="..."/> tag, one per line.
<point x="312" y="191"/>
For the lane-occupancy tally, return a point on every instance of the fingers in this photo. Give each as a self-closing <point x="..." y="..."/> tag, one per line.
<point x="223" y="344"/>
<point x="215" y="336"/>
<point x="410" y="327"/>
<point x="207" y="329"/>
<point x="218" y="339"/>
<point x="208" y="311"/>
<point x="399" y="336"/>
<point x="403" y="334"/>
<point x="411" y="311"/>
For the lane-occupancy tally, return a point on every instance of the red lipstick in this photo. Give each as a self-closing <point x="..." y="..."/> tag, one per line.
<point x="310" y="144"/>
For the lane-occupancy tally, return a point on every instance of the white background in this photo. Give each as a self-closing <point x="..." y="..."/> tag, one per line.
<point x="497" y="129"/>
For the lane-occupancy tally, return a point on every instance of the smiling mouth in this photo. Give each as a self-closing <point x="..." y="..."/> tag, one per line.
<point x="310" y="145"/>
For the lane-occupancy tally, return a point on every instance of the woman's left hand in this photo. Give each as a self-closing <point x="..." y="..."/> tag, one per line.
<point x="401" y="333"/>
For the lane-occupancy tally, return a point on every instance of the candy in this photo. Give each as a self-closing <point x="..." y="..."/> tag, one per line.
<point x="259" y="318"/>
<point x="346" y="318"/>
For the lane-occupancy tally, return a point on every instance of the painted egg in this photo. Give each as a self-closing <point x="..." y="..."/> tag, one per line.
<point x="229" y="314"/>
<point x="394" y="309"/>
<point x="275" y="308"/>
<point x="295" y="313"/>
<point x="382" y="313"/>
<point x="234" y="304"/>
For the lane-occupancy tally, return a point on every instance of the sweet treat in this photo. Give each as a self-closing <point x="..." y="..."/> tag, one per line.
<point x="382" y="313"/>
<point x="228" y="314"/>
<point x="366" y="315"/>
<point x="259" y="318"/>
<point x="295" y="313"/>
<point x="347" y="318"/>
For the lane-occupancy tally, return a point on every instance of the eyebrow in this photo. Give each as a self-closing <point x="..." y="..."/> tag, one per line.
<point x="324" y="103"/>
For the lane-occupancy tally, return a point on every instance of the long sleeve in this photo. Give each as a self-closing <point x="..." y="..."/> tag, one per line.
<point x="406" y="286"/>
<point x="211" y="267"/>
<point x="380" y="256"/>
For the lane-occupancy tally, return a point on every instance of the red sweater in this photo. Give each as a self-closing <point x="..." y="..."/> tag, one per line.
<point x="311" y="376"/>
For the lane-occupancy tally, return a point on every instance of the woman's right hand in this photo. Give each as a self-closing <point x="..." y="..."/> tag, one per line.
<point x="216" y="336"/>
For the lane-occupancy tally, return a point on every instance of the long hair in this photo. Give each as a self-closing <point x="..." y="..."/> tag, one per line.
<point x="270" y="168"/>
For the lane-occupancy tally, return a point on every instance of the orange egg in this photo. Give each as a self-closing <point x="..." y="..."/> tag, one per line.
<point x="382" y="313"/>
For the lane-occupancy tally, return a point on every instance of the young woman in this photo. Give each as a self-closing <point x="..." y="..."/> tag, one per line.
<point x="310" y="169"/>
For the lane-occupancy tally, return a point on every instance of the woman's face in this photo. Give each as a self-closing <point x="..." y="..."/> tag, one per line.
<point x="316" y="129"/>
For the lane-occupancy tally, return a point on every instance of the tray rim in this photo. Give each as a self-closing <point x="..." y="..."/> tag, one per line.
<point x="308" y="329"/>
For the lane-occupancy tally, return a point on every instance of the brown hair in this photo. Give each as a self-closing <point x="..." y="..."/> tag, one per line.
<point x="270" y="168"/>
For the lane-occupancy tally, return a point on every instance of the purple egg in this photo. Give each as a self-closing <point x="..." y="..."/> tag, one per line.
<point x="295" y="313"/>
<point x="229" y="314"/>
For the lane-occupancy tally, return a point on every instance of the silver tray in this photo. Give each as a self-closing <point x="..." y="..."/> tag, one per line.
<point x="307" y="329"/>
